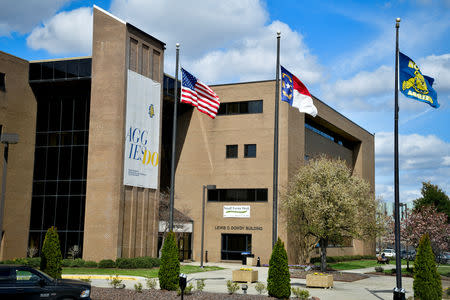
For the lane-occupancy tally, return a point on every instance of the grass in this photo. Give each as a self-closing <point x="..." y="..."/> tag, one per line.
<point x="149" y="273"/>
<point x="359" y="264"/>
<point x="444" y="270"/>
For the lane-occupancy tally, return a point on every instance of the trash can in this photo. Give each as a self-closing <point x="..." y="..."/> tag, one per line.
<point x="244" y="257"/>
<point x="249" y="260"/>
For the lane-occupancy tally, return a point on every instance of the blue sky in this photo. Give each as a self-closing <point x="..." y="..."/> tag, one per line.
<point x="342" y="50"/>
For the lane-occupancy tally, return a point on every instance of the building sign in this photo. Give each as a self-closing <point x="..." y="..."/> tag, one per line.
<point x="177" y="227"/>
<point x="142" y="131"/>
<point x="238" y="227"/>
<point x="236" y="211"/>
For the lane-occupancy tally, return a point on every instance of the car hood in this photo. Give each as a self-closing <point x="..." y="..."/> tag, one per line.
<point x="74" y="282"/>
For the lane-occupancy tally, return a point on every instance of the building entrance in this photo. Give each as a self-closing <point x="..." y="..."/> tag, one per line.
<point x="234" y="244"/>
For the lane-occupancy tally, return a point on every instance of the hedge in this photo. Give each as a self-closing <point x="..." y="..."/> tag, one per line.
<point x="335" y="259"/>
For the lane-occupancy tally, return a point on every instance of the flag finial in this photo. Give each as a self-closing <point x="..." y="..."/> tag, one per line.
<point x="177" y="45"/>
<point x="278" y="33"/>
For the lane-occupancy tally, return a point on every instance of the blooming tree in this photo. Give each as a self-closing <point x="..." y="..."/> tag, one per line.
<point x="326" y="203"/>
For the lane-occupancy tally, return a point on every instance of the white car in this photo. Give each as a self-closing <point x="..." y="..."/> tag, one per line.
<point x="388" y="253"/>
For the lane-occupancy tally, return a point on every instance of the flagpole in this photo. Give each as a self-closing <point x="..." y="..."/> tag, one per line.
<point x="399" y="292"/>
<point x="275" y="149"/>
<point x="174" y="138"/>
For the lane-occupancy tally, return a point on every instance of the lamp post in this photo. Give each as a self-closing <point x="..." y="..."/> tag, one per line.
<point x="205" y="187"/>
<point x="6" y="139"/>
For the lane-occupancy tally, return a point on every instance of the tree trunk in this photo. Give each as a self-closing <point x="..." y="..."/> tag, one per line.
<point x="323" y="254"/>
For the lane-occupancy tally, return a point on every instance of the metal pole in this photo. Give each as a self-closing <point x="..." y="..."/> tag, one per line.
<point x="2" y="201"/>
<point x="399" y="292"/>
<point x="203" y="226"/>
<point x="174" y="138"/>
<point x="275" y="149"/>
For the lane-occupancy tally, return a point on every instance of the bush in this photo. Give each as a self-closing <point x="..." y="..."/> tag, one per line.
<point x="106" y="263"/>
<point x="232" y="287"/>
<point x="300" y="294"/>
<point x="200" y="284"/>
<point x="138" y="287"/>
<point x="138" y="262"/>
<point x="379" y="269"/>
<point x="260" y="288"/>
<point x="335" y="259"/>
<point x="34" y="262"/>
<point x="114" y="281"/>
<point x="151" y="283"/>
<point x="125" y="263"/>
<point x="90" y="264"/>
<point x="278" y="280"/>
<point x="427" y="281"/>
<point x="169" y="271"/>
<point x="51" y="257"/>
<point x="187" y="290"/>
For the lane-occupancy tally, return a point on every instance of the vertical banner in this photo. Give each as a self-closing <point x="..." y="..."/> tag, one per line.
<point x="142" y="130"/>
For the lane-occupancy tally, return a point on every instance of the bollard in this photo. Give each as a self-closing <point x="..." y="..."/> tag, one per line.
<point x="258" y="262"/>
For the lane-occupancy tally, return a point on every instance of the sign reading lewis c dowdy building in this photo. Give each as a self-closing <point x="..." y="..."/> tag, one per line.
<point x="142" y="131"/>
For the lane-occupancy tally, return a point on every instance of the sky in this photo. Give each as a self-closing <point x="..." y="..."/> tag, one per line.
<point x="343" y="51"/>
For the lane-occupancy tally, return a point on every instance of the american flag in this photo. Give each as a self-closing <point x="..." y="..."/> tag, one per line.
<point x="199" y="94"/>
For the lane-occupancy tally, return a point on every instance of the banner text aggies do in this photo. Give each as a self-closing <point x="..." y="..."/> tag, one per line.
<point x="138" y="147"/>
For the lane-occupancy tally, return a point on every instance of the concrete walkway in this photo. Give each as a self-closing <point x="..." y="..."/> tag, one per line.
<point x="375" y="287"/>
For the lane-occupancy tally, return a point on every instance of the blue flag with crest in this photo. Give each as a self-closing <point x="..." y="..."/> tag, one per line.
<point x="415" y="85"/>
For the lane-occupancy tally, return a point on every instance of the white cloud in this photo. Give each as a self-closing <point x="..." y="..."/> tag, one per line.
<point x="221" y="41"/>
<point x="66" y="32"/>
<point x="438" y="67"/>
<point x="22" y="15"/>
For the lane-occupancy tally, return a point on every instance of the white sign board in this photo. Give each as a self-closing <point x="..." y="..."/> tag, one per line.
<point x="142" y="130"/>
<point x="177" y="227"/>
<point x="236" y="211"/>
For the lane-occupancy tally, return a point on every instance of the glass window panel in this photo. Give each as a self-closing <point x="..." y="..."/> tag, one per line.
<point x="62" y="241"/>
<point x="74" y="213"/>
<point x="37" y="205"/>
<point x="232" y="108"/>
<point x="61" y="213"/>
<point x="64" y="187"/>
<point x="52" y="163"/>
<point x="77" y="162"/>
<point x="53" y="139"/>
<point x="82" y="210"/>
<point x="255" y="107"/>
<point x="250" y="150"/>
<point x="65" y="138"/>
<point x="49" y="212"/>
<point x="250" y="195"/>
<point x="64" y="163"/>
<point x="47" y="70"/>
<point x="243" y="107"/>
<point x="78" y="137"/>
<point x="55" y="116"/>
<point x="80" y="114"/>
<point x="84" y="67"/>
<point x="72" y="68"/>
<point x="213" y="195"/>
<point x="35" y="71"/>
<point x="34" y="241"/>
<point x="232" y="151"/>
<point x="261" y="195"/>
<point x="133" y="55"/>
<point x="60" y="69"/>
<point x="39" y="163"/>
<point x="76" y="187"/>
<point x="42" y="116"/>
<point x="67" y="114"/>
<point x="73" y="239"/>
<point x="38" y="188"/>
<point x="41" y="139"/>
<point x="222" y="109"/>
<point x="50" y="187"/>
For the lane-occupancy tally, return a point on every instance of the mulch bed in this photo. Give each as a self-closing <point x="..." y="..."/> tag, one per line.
<point x="337" y="276"/>
<point x="119" y="294"/>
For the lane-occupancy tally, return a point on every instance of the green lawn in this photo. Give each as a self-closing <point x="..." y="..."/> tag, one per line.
<point x="444" y="270"/>
<point x="134" y="272"/>
<point x="365" y="263"/>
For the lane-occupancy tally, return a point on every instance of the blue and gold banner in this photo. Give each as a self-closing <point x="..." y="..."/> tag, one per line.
<point x="415" y="85"/>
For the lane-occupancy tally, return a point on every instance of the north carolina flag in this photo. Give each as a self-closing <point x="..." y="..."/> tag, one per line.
<point x="296" y="94"/>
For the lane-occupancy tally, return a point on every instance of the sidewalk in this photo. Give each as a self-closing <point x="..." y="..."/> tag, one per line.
<point x="375" y="287"/>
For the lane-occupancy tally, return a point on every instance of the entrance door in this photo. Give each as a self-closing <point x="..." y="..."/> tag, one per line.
<point x="234" y="244"/>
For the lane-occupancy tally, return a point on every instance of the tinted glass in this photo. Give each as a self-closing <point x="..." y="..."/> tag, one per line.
<point x="250" y="150"/>
<point x="232" y="151"/>
<point x="60" y="69"/>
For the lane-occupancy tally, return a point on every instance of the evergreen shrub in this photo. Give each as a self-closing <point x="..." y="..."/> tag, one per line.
<point x="169" y="271"/>
<point x="279" y="281"/>
<point x="427" y="281"/>
<point x="51" y="257"/>
<point x="91" y="264"/>
<point x="106" y="263"/>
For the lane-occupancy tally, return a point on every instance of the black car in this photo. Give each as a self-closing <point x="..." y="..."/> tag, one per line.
<point x="22" y="282"/>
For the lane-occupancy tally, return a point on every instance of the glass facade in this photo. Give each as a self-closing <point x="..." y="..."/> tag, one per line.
<point x="243" y="107"/>
<point x="237" y="195"/>
<point x="234" y="244"/>
<point x="62" y="133"/>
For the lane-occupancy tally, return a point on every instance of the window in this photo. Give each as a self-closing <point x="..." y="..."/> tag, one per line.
<point x="2" y="82"/>
<point x="250" y="150"/>
<point x="237" y="195"/>
<point x="25" y="276"/>
<point x="243" y="107"/>
<point x="234" y="244"/>
<point x="232" y="151"/>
